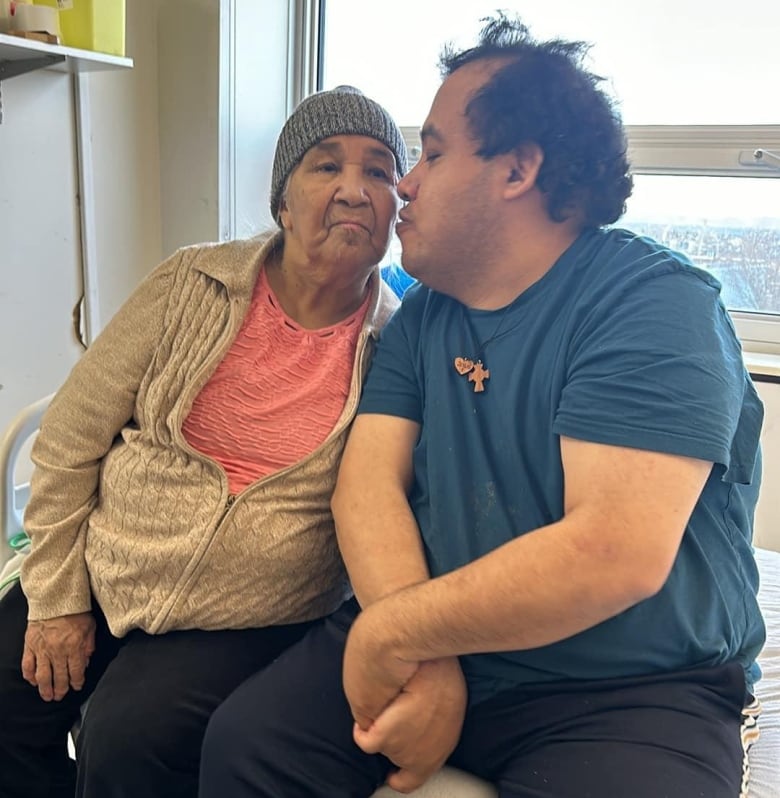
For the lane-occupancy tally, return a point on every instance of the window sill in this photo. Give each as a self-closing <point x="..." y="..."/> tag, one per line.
<point x="761" y="364"/>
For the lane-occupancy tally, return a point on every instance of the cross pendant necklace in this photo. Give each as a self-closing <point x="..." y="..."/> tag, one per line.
<point x="474" y="367"/>
<point x="476" y="371"/>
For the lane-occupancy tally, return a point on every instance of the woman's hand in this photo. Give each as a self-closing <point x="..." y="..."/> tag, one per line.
<point x="57" y="652"/>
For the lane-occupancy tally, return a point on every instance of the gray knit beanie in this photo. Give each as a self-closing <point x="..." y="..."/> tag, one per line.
<point x="344" y="110"/>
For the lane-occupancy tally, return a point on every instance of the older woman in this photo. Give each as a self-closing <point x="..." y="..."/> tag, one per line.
<point x="179" y="509"/>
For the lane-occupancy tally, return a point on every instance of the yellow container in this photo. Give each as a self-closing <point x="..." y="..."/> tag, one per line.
<point x="97" y="25"/>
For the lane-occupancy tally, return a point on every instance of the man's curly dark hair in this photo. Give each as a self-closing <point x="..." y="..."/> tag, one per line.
<point x="544" y="95"/>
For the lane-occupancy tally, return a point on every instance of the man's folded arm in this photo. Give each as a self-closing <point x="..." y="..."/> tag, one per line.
<point x="377" y="532"/>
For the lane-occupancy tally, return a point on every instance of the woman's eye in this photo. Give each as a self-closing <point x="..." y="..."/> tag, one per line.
<point x="327" y="167"/>
<point x="429" y="157"/>
<point x="378" y="172"/>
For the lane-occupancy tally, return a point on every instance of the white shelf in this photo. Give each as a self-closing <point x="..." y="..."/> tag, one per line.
<point x="18" y="56"/>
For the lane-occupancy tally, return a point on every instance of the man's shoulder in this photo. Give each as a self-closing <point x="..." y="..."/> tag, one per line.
<point x="613" y="270"/>
<point x="418" y="299"/>
<point x="644" y="257"/>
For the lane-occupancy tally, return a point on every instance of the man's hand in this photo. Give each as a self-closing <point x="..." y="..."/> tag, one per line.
<point x="412" y="712"/>
<point x="373" y="675"/>
<point x="421" y="727"/>
<point x="57" y="652"/>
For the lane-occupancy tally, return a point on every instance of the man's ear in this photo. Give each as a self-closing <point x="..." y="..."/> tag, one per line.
<point x="523" y="165"/>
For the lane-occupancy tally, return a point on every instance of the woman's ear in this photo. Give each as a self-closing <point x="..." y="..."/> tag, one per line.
<point x="284" y="214"/>
<point x="523" y="165"/>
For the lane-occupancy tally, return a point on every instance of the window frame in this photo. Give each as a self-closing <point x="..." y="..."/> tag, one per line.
<point x="698" y="150"/>
<point x="714" y="151"/>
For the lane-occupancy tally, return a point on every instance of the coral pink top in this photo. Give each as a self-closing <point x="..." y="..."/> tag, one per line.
<point x="277" y="393"/>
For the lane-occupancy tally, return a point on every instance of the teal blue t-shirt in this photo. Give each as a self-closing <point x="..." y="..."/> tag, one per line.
<point x="622" y="342"/>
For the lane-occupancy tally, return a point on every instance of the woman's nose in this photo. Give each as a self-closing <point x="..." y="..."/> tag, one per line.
<point x="352" y="186"/>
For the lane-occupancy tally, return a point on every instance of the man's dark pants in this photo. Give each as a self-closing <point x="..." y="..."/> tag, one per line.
<point x="287" y="733"/>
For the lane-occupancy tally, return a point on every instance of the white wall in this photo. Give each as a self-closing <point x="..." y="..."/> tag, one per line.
<point x="40" y="279"/>
<point x="126" y="155"/>
<point x="218" y="131"/>
<point x="262" y="94"/>
<point x="767" y="526"/>
<point x="188" y="53"/>
<point x="40" y="246"/>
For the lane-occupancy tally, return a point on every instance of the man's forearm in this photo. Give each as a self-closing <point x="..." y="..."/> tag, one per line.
<point x="380" y="543"/>
<point x="531" y="592"/>
<point x="377" y="532"/>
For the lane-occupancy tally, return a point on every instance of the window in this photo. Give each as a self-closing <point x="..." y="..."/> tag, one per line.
<point x="696" y="90"/>
<point x="722" y="225"/>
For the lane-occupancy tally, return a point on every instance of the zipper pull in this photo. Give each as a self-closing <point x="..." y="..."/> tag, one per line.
<point x="228" y="504"/>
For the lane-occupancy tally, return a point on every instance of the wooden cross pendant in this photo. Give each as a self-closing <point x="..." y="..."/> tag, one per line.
<point x="478" y="375"/>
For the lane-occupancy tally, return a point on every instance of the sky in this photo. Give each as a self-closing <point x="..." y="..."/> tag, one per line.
<point x="667" y="61"/>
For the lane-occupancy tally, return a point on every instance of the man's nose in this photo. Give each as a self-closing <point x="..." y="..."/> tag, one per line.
<point x="407" y="187"/>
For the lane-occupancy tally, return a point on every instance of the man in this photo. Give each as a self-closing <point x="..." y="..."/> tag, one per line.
<point x="548" y="490"/>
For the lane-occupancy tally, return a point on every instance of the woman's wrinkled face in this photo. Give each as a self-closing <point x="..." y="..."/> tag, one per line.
<point x="341" y="203"/>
